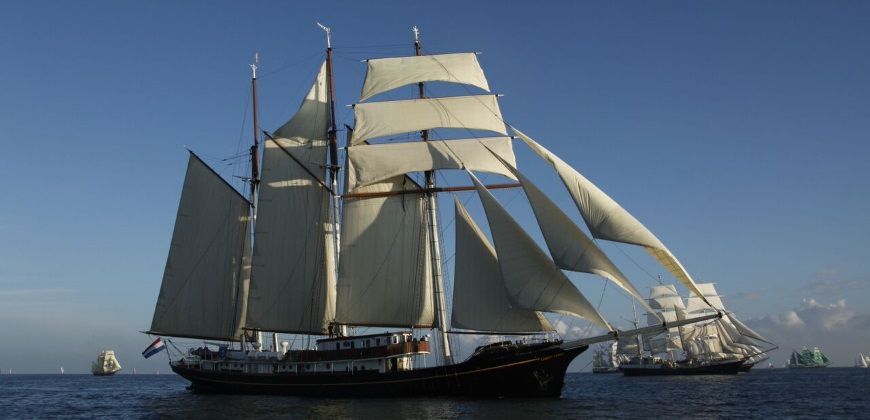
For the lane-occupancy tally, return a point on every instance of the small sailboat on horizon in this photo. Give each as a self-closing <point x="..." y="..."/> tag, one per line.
<point x="862" y="361"/>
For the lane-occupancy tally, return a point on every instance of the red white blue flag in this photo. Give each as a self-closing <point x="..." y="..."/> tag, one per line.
<point x="156" y="347"/>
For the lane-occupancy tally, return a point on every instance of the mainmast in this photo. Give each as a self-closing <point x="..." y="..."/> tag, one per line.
<point x="255" y="173"/>
<point x="333" y="166"/>
<point x="434" y="242"/>
<point x="255" y="148"/>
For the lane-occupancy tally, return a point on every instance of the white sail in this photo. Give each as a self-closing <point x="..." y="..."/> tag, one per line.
<point x="696" y="305"/>
<point x="749" y="332"/>
<point x="480" y="301"/>
<point x="665" y="297"/>
<point x="861" y="361"/>
<point x="377" y="119"/>
<point x="668" y="307"/>
<point x="386" y="74"/>
<point x="728" y="343"/>
<point x="738" y="330"/>
<point x="293" y="275"/>
<point x="385" y="273"/>
<point x="608" y="220"/>
<point x="203" y="285"/>
<point x="532" y="280"/>
<point x="368" y="164"/>
<point x="570" y="248"/>
<point x="310" y="125"/>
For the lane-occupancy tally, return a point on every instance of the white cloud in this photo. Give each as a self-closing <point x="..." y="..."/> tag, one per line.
<point x="837" y="328"/>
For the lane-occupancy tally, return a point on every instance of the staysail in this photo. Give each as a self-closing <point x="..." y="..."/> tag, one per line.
<point x="606" y="219"/>
<point x="204" y="286"/>
<point x="293" y="277"/>
<point x="570" y="248"/>
<point x="385" y="274"/>
<point x="531" y="279"/>
<point x="480" y="301"/>
<point x="386" y="74"/>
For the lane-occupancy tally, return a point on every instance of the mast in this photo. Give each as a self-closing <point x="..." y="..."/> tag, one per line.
<point x="639" y="338"/>
<point x="333" y="166"/>
<point x="434" y="243"/>
<point x="255" y="169"/>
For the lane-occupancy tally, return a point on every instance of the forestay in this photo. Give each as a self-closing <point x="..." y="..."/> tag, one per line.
<point x="531" y="279"/>
<point x="385" y="274"/>
<point x="608" y="220"/>
<point x="293" y="278"/>
<point x="368" y="164"/>
<point x="480" y="301"/>
<point x="377" y="119"/>
<point x="204" y="283"/>
<point x="386" y="74"/>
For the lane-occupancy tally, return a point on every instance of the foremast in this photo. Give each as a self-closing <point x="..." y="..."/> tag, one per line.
<point x="433" y="232"/>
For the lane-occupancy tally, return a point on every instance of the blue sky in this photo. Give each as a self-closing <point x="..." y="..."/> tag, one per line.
<point x="735" y="131"/>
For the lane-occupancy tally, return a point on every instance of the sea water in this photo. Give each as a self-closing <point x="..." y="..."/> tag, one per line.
<point x="762" y="393"/>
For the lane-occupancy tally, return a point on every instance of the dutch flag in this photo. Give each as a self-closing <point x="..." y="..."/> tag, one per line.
<point x="156" y="347"/>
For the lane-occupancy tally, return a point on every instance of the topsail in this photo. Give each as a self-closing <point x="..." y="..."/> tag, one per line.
<point x="386" y="74"/>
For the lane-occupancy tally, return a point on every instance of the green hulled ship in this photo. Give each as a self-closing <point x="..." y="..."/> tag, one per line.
<point x="807" y="358"/>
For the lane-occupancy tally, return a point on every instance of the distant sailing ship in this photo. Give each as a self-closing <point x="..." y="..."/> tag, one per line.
<point x="807" y="358"/>
<point x="720" y="346"/>
<point x="605" y="359"/>
<point x="862" y="361"/>
<point x="279" y="261"/>
<point x="106" y="364"/>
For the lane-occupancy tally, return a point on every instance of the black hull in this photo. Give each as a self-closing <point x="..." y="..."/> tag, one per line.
<point x="105" y="374"/>
<point x="728" y="368"/>
<point x="746" y="367"/>
<point x="506" y="371"/>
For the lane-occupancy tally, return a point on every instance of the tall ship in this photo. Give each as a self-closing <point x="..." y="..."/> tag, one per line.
<point x="345" y="256"/>
<point x="105" y="365"/>
<point x="606" y="359"/>
<point x="719" y="346"/>
<point x="807" y="358"/>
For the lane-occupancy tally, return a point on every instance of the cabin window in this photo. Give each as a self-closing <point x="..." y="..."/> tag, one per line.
<point x="348" y="344"/>
<point x="395" y="340"/>
<point x="368" y="343"/>
<point x="337" y="346"/>
<point x="377" y="341"/>
<point x="327" y="365"/>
